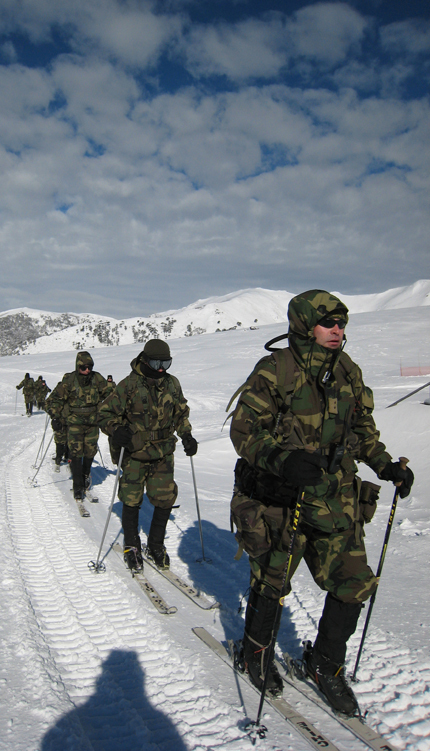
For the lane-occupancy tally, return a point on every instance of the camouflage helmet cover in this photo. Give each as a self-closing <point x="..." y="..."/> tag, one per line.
<point x="306" y="309"/>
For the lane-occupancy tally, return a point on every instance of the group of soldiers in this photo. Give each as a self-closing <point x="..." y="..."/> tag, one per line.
<point x="35" y="393"/>
<point x="303" y="419"/>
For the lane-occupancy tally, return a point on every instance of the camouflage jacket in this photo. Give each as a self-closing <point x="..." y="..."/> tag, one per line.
<point x="77" y="397"/>
<point x="154" y="410"/>
<point x="27" y="386"/>
<point x="308" y="397"/>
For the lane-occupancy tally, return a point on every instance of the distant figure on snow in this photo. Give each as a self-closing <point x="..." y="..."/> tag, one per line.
<point x="75" y="401"/>
<point x="27" y="386"/>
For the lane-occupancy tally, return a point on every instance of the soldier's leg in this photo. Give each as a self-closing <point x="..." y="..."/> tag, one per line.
<point x="338" y="564"/>
<point x="91" y="437"/>
<point x="131" y="489"/>
<point x="162" y="492"/>
<point x="267" y="576"/>
<point x="75" y="443"/>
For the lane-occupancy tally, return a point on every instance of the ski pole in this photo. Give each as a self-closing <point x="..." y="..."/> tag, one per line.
<point x="43" y="459"/>
<point x="98" y="448"/>
<point x="286" y="580"/>
<point x="207" y="560"/>
<point x="96" y="565"/>
<point x="403" y="462"/>
<point x="41" y="442"/>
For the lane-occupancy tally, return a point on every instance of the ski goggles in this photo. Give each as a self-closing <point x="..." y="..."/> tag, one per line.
<point x="83" y="368"/>
<point x="159" y="364"/>
<point x="330" y="323"/>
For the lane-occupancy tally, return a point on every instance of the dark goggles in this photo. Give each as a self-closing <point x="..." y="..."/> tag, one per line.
<point x="83" y="368"/>
<point x="330" y="323"/>
<point x="159" y="364"/>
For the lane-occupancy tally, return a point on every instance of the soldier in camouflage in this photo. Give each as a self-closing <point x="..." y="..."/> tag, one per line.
<point x="303" y="420"/>
<point x="40" y="391"/>
<point x="27" y="386"/>
<point x="74" y="404"/>
<point x="142" y="415"/>
<point x="111" y="384"/>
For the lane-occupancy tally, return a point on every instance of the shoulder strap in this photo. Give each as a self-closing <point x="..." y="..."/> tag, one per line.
<point x="287" y="372"/>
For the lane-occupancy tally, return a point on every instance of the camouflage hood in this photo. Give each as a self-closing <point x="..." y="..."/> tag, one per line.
<point x="84" y="358"/>
<point x="304" y="312"/>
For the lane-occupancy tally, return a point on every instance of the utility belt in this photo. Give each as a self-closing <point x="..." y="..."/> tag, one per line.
<point x="155" y="435"/>
<point x="83" y="410"/>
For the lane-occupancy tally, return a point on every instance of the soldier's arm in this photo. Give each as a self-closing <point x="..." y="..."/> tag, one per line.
<point x="372" y="450"/>
<point x="181" y="414"/>
<point x="57" y="400"/>
<point x="112" y="410"/>
<point x="253" y="423"/>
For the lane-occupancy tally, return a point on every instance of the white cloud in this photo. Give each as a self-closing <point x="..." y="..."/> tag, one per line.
<point x="408" y="36"/>
<point x="326" y="31"/>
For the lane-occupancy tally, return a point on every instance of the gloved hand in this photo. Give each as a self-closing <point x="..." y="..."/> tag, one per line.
<point x="190" y="444"/>
<point x="303" y="468"/>
<point x="394" y="472"/>
<point x="122" y="436"/>
<point x="56" y="424"/>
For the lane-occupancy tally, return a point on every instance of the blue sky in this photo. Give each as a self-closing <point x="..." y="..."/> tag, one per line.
<point x="154" y="153"/>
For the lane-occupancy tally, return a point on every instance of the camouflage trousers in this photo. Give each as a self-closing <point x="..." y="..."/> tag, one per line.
<point x="336" y="560"/>
<point x="82" y="440"/>
<point x="60" y="436"/>
<point x="155" y="476"/>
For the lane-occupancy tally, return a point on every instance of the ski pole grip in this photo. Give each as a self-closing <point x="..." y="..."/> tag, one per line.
<point x="403" y="462"/>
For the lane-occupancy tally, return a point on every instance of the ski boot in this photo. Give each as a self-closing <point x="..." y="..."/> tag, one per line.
<point x="255" y="660"/>
<point x="330" y="679"/>
<point x="133" y="559"/>
<point x="159" y="555"/>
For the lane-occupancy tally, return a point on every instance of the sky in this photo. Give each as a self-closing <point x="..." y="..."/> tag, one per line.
<point x="156" y="153"/>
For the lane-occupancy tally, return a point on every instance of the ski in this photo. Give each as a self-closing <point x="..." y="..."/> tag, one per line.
<point x="92" y="498"/>
<point x="145" y="585"/>
<point x="295" y="678"/>
<point x="187" y="589"/>
<point x="313" y="736"/>
<point x="81" y="507"/>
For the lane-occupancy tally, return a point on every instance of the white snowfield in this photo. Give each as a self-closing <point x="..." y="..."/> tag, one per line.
<point x="87" y="663"/>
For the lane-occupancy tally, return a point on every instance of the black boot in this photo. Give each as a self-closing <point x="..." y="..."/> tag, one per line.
<point x="155" y="549"/>
<point x="78" y="480"/>
<point x="60" y="449"/>
<point x="260" y="628"/>
<point x="324" y="662"/>
<point x="132" y="544"/>
<point x="86" y="471"/>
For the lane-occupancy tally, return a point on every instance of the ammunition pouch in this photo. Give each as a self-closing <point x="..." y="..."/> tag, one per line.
<point x="369" y="494"/>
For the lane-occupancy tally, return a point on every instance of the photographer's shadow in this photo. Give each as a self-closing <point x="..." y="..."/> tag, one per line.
<point x="117" y="716"/>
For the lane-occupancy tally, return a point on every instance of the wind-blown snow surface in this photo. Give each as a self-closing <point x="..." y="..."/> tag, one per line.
<point x="87" y="663"/>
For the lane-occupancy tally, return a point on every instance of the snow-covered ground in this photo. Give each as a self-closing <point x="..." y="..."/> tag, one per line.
<point x="87" y="662"/>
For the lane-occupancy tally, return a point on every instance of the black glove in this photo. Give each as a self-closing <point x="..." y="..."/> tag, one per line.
<point x="394" y="472"/>
<point x="56" y="424"/>
<point x="122" y="436"/>
<point x="190" y="444"/>
<point x="303" y="468"/>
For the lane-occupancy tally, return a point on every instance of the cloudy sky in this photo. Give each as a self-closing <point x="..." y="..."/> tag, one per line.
<point x="154" y="153"/>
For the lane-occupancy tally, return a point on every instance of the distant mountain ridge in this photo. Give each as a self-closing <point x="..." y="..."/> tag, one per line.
<point x="26" y="331"/>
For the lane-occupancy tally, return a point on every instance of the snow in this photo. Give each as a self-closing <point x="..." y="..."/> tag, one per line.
<point x="88" y="663"/>
<point x="247" y="308"/>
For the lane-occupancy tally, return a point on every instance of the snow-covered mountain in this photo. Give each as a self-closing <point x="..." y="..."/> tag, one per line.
<point x="29" y="331"/>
